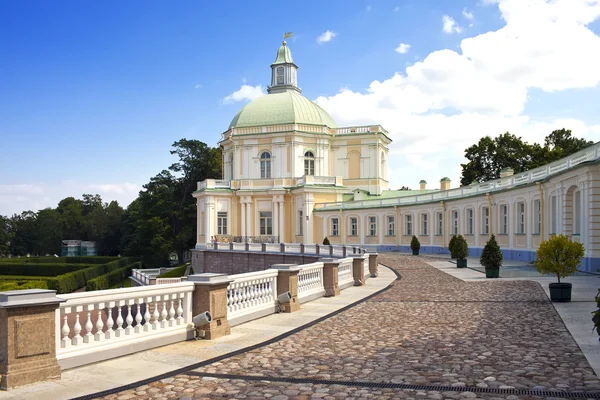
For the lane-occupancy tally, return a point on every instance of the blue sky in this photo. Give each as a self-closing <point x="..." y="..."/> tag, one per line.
<point x="93" y="94"/>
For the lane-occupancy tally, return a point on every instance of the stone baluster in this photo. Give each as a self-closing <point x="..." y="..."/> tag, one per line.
<point x="88" y="325"/>
<point x="179" y="311"/>
<point x="129" y="319"/>
<point x="66" y="330"/>
<point x="110" y="323"/>
<point x="99" y="336"/>
<point x="163" y="313"/>
<point x="77" y="339"/>
<point x="155" y="314"/>
<point x="172" y="314"/>
<point x="120" y="331"/>
<point x="147" y="315"/>
<point x="138" y="315"/>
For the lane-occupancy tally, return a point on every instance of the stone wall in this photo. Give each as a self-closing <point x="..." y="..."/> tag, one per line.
<point x="237" y="262"/>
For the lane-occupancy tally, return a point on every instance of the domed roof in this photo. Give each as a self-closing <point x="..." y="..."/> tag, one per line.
<point x="288" y="107"/>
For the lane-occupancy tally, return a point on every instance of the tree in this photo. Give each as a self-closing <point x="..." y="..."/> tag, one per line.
<point x="559" y="256"/>
<point x="491" y="256"/>
<point x="6" y="235"/>
<point x="24" y="233"/>
<point x="489" y="156"/>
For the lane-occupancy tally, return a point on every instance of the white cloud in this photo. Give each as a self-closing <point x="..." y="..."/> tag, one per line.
<point x="245" y="93"/>
<point x="468" y="14"/>
<point x="15" y="199"/>
<point x="450" y="25"/>
<point x="439" y="106"/>
<point x="326" y="36"/>
<point x="403" y="48"/>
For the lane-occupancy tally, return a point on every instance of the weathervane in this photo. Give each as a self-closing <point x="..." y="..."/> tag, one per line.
<point x="286" y="36"/>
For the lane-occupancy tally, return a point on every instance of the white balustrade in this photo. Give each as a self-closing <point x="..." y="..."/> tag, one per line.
<point x="251" y="295"/>
<point x="239" y="246"/>
<point x="310" y="249"/>
<point x="166" y="281"/>
<point x="254" y="246"/>
<point x="273" y="247"/>
<point x="345" y="274"/>
<point x="292" y="248"/>
<point x="338" y="251"/>
<point x="90" y="325"/>
<point x="310" y="282"/>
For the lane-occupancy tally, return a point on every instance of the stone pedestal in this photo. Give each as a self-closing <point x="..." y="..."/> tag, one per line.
<point x="358" y="270"/>
<point x="27" y="337"/>
<point x="330" y="277"/>
<point x="210" y="294"/>
<point x="287" y="281"/>
<point x="373" y="265"/>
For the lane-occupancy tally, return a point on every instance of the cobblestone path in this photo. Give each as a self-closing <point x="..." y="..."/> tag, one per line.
<point x="428" y="329"/>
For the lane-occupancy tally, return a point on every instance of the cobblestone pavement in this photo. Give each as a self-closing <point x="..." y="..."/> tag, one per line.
<point x="428" y="329"/>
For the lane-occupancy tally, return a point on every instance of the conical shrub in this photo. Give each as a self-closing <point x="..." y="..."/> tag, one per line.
<point x="491" y="256"/>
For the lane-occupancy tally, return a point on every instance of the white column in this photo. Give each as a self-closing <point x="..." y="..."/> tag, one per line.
<point x="281" y="221"/>
<point x="275" y="206"/>
<point x="198" y="222"/>
<point x="243" y="233"/>
<point x="249" y="231"/>
<point x="209" y="210"/>
<point x="308" y="209"/>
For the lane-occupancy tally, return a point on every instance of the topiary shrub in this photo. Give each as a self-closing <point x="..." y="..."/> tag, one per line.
<point x="451" y="244"/>
<point x="461" y="248"/>
<point x="559" y="256"/>
<point x="415" y="245"/>
<point x="326" y="241"/>
<point x="491" y="256"/>
<point x="596" y="314"/>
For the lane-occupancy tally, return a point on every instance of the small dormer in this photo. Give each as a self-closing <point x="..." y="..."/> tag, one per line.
<point x="283" y="71"/>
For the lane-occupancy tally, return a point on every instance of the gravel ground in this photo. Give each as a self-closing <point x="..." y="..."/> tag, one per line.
<point x="428" y="329"/>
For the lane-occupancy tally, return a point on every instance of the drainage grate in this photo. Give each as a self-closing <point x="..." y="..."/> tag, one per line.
<point x="406" y="386"/>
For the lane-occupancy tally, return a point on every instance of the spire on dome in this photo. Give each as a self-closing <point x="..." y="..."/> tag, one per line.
<point x="283" y="70"/>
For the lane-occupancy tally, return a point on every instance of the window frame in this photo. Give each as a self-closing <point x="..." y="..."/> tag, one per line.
<point x="577" y="212"/>
<point x="265" y="165"/>
<point x="353" y="226"/>
<point x="521" y="221"/>
<point x="309" y="163"/>
<point x="470" y="216"/>
<point x="503" y="219"/>
<point x="300" y="230"/>
<point x="222" y="221"/>
<point x="372" y="221"/>
<point x="390" y="221"/>
<point x="440" y="223"/>
<point x="280" y="73"/>
<point x="455" y="222"/>
<point x="335" y="226"/>
<point x="485" y="220"/>
<point x="424" y="224"/>
<point x="408" y="227"/>
<point x="268" y="223"/>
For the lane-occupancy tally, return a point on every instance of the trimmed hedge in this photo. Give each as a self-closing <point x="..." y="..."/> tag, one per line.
<point x="72" y="281"/>
<point x="59" y="260"/>
<point x="40" y="269"/>
<point x="107" y="280"/>
<point x="5" y="286"/>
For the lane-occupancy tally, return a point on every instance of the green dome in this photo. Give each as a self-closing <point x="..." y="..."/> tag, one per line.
<point x="288" y="107"/>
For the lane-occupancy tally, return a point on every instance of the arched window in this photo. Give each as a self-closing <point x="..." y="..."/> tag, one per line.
<point x="231" y="165"/>
<point x="265" y="165"/>
<point x="309" y="163"/>
<point x="280" y="76"/>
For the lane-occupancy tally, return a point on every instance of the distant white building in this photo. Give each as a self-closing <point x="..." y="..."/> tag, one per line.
<point x="292" y="175"/>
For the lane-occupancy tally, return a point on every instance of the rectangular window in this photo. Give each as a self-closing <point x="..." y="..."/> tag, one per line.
<point x="221" y="223"/>
<point x="372" y="226"/>
<point x="504" y="218"/>
<point x="424" y="224"/>
<point x="455" y="222"/>
<point x="537" y="220"/>
<point x="485" y="219"/>
<point x="440" y="224"/>
<point x="335" y="227"/>
<point x="521" y="217"/>
<point x="577" y="213"/>
<point x="554" y="214"/>
<point x="300" y="223"/>
<point x="391" y="225"/>
<point x="470" y="221"/>
<point x="266" y="222"/>
<point x="408" y="223"/>
<point x="353" y="226"/>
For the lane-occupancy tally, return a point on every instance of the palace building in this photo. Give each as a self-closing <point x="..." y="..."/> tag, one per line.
<point x="292" y="175"/>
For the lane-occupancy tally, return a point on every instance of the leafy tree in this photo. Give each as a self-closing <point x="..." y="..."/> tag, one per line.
<point x="6" y="235"/>
<point x="489" y="156"/>
<point x="24" y="233"/>
<point x="559" y="256"/>
<point x="49" y="232"/>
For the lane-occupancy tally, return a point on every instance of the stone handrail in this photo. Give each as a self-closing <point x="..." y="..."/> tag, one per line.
<point x="335" y="250"/>
<point x="589" y="154"/>
<point x="310" y="282"/>
<point x="345" y="276"/>
<point x="360" y="129"/>
<point x="251" y="293"/>
<point x="92" y="323"/>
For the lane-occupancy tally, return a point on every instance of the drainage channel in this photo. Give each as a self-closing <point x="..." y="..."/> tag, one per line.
<point x="405" y="386"/>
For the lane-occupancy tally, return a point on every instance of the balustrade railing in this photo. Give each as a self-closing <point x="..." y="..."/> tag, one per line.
<point x="310" y="282"/>
<point x="251" y="293"/>
<point x="335" y="250"/>
<point x="166" y="281"/>
<point x="345" y="274"/>
<point x="589" y="154"/>
<point x="93" y="322"/>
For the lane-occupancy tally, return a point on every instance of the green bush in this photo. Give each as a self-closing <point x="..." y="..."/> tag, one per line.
<point x="596" y="314"/>
<point x="59" y="260"/>
<point x="326" y="241"/>
<point x="5" y="286"/>
<point x="451" y="244"/>
<point x="176" y="273"/>
<point x="461" y="248"/>
<point x="43" y="269"/>
<point x="105" y="281"/>
<point x="559" y="256"/>
<point x="491" y="256"/>
<point x="415" y="245"/>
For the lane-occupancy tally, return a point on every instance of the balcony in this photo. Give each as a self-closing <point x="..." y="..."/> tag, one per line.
<point x="310" y="180"/>
<point x="214" y="184"/>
